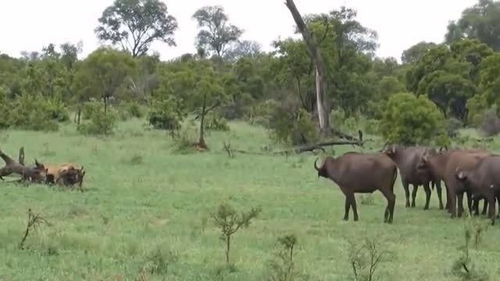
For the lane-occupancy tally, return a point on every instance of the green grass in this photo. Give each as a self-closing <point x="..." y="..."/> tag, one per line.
<point x="146" y="206"/>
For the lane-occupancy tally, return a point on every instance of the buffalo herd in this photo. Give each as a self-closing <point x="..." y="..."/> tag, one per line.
<point x="473" y="172"/>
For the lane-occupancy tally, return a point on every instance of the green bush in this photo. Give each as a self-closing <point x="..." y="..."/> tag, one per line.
<point x="31" y="112"/>
<point x="186" y="138"/>
<point x="90" y="108"/>
<point x="452" y="127"/>
<point x="291" y="124"/>
<point x="135" y="110"/>
<point x="411" y="120"/>
<point x="166" y="114"/>
<point x="98" y="122"/>
<point x="215" y="122"/>
<point x="57" y="110"/>
<point x="4" y="109"/>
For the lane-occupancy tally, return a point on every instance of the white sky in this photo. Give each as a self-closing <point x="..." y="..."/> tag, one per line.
<point x="28" y="25"/>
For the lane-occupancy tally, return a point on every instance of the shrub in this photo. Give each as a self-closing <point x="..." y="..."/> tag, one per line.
<point x="411" y="120"/>
<point x="216" y="122"/>
<point x="229" y="221"/>
<point x="99" y="123"/>
<point x="4" y="109"/>
<point x="159" y="261"/>
<point x="56" y="110"/>
<point x="185" y="139"/>
<point x="260" y="113"/>
<point x="135" y="110"/>
<point x="452" y="127"/>
<point x="31" y="113"/>
<point x="291" y="124"/>
<point x="166" y="114"/>
<point x="490" y="124"/>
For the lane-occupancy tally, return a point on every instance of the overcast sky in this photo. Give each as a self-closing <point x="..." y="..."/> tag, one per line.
<point x="28" y="25"/>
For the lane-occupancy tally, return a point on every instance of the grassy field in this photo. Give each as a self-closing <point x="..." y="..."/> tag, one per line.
<point x="145" y="204"/>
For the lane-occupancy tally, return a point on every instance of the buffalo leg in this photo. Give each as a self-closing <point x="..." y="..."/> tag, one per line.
<point x="414" y="195"/>
<point x="354" y="207"/>
<point x="407" y="193"/>
<point x="439" y="191"/>
<point x="485" y="207"/>
<point x="453" y="204"/>
<point x="448" y="203"/>
<point x="491" y="210"/>
<point x="469" y="200"/>
<point x="427" y="196"/>
<point x="347" y="206"/>
<point x="460" y="201"/>
<point x="391" y="201"/>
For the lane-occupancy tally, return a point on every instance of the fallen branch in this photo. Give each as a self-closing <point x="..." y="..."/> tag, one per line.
<point x="300" y="149"/>
<point x="32" y="174"/>
<point x="34" y="221"/>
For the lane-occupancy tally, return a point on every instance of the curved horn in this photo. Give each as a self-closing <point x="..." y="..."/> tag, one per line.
<point x="315" y="165"/>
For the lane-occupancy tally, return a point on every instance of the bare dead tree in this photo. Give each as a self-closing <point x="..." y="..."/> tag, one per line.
<point x="315" y="54"/>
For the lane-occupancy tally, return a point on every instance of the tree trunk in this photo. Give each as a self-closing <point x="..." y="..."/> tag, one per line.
<point x="105" y="100"/>
<point x="317" y="58"/>
<point x="322" y="113"/>
<point x="228" y="247"/>
<point x="201" y="142"/>
<point x="78" y="116"/>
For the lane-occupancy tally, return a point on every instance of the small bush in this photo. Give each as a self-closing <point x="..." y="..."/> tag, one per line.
<point x="410" y="120"/>
<point x="490" y="125"/>
<point x="160" y="260"/>
<point x="166" y="114"/>
<point x="216" y="122"/>
<point x="4" y="109"/>
<point x="136" y="159"/>
<point x="31" y="113"/>
<point x="291" y="124"/>
<point x="185" y="139"/>
<point x="99" y="123"/>
<point x="134" y="110"/>
<point x="57" y="110"/>
<point x="452" y="127"/>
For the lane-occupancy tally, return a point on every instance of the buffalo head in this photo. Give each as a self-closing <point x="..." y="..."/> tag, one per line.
<point x="322" y="172"/>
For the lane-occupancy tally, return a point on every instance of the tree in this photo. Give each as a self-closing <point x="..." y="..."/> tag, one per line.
<point x="244" y="49"/>
<point x="449" y="75"/>
<point x="416" y="52"/>
<point x="411" y="120"/>
<point x="135" y="24"/>
<point x="293" y="66"/>
<point x="216" y="33"/>
<point x="102" y="74"/>
<point x="348" y="47"/>
<point x="450" y="93"/>
<point x="490" y="80"/>
<point x="481" y="21"/>
<point x="321" y="75"/>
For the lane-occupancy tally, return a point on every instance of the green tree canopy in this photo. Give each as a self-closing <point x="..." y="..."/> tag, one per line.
<point x="102" y="74"/>
<point x="481" y="21"/>
<point x="216" y="34"/>
<point x="135" y="24"/>
<point x="411" y="120"/>
<point x="416" y="52"/>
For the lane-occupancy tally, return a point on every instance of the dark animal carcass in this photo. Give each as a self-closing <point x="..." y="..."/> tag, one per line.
<point x="362" y="173"/>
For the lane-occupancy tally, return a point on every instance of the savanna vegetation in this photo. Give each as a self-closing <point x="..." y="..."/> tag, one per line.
<point x="201" y="167"/>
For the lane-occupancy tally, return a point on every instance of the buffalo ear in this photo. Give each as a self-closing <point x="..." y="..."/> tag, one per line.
<point x="461" y="175"/>
<point x="393" y="149"/>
